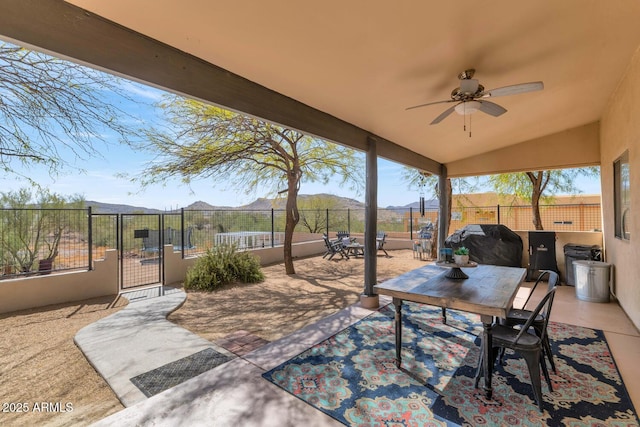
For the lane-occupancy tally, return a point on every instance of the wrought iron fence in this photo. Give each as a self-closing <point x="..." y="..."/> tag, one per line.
<point x="38" y="241"/>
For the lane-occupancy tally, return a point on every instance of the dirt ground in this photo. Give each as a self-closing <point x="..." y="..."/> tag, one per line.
<point x="39" y="363"/>
<point x="283" y="304"/>
<point x="42" y="370"/>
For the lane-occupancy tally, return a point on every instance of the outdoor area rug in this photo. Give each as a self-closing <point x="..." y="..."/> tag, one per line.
<point x="353" y="378"/>
<point x="174" y="373"/>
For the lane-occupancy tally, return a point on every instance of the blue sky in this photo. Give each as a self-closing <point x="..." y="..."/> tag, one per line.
<point x="100" y="180"/>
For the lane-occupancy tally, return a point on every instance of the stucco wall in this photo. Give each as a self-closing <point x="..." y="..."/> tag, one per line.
<point x="176" y="267"/>
<point x="39" y="291"/>
<point x="620" y="131"/>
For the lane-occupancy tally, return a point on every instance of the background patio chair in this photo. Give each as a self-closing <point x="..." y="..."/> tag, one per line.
<point x="381" y="238"/>
<point x="342" y="234"/>
<point x="177" y="240"/>
<point x="334" y="247"/>
<point x="528" y="345"/>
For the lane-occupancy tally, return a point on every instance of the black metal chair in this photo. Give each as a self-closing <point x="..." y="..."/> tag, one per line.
<point x="333" y="248"/>
<point x="528" y="345"/>
<point x="520" y="316"/>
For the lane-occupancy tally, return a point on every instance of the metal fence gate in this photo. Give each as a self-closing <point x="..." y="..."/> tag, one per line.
<point x="141" y="250"/>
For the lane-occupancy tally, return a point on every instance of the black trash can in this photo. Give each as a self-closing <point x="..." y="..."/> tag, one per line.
<point x="574" y="252"/>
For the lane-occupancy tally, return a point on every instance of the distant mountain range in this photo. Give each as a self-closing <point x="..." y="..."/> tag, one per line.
<point x="333" y="202"/>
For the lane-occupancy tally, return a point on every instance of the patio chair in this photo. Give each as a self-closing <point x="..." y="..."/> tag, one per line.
<point x="527" y="344"/>
<point x="177" y="241"/>
<point x="381" y="239"/>
<point x="151" y="243"/>
<point x="345" y="238"/>
<point x="520" y="316"/>
<point x="334" y="248"/>
<point x="342" y="234"/>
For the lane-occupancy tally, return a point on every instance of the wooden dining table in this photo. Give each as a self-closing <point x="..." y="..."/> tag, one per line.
<point x="488" y="291"/>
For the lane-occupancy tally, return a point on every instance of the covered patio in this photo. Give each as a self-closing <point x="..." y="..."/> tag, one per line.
<point x="243" y="391"/>
<point x="348" y="72"/>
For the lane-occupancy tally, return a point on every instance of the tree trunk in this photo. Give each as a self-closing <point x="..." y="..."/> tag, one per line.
<point x="292" y="218"/>
<point x="537" y="183"/>
<point x="535" y="208"/>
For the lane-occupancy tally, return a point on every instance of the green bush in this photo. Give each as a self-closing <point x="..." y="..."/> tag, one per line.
<point x="223" y="265"/>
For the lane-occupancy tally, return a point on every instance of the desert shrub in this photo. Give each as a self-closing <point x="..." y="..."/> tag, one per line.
<point x="223" y="265"/>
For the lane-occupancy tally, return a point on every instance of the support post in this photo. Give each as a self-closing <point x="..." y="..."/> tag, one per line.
<point x="369" y="299"/>
<point x="445" y="208"/>
<point x="410" y="223"/>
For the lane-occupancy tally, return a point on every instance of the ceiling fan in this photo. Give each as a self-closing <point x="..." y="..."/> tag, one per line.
<point x="470" y="97"/>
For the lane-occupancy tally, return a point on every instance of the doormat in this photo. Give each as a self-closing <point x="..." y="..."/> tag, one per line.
<point x="170" y="375"/>
<point x="352" y="376"/>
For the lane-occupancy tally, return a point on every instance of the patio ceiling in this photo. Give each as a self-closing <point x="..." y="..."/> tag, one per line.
<point x="363" y="62"/>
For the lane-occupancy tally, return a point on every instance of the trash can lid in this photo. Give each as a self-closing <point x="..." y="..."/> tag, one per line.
<point x="589" y="263"/>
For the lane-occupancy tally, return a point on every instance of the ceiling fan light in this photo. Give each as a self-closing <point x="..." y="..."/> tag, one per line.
<point x="467" y="107"/>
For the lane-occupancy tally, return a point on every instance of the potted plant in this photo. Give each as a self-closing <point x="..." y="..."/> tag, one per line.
<point x="461" y="256"/>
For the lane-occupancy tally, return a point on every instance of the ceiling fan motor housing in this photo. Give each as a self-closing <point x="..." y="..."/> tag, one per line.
<point x="469" y="89"/>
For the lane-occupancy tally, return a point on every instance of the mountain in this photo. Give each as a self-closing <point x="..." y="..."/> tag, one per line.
<point x="428" y="204"/>
<point x="110" y="208"/>
<point x="334" y="202"/>
<point x="204" y="206"/>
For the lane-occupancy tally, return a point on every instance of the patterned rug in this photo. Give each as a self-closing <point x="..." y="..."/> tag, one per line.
<point x="174" y="373"/>
<point x="353" y="378"/>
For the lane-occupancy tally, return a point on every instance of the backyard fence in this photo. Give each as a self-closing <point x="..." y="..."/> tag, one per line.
<point x="32" y="240"/>
<point x="38" y="241"/>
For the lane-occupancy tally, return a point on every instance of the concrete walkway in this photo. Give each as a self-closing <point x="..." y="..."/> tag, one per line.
<point x="139" y="339"/>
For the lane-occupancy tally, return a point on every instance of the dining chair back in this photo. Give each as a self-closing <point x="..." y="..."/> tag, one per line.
<point x="528" y="345"/>
<point x="520" y="316"/>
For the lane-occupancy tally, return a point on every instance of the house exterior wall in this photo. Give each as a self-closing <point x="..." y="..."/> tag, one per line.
<point x="620" y="131"/>
<point x="572" y="148"/>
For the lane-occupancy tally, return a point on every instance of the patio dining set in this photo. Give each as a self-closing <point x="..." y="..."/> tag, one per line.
<point x="489" y="291"/>
<point x="346" y="246"/>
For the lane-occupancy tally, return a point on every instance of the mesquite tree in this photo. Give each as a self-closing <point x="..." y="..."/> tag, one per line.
<point x="53" y="111"/>
<point x="539" y="185"/>
<point x="237" y="151"/>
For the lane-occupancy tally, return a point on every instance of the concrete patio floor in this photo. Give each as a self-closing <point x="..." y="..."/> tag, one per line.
<point x="235" y="394"/>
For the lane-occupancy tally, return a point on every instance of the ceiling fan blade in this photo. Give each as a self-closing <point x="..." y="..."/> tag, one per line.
<point x="514" y="89"/>
<point x="491" y="108"/>
<point x="430" y="103"/>
<point x="443" y="116"/>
